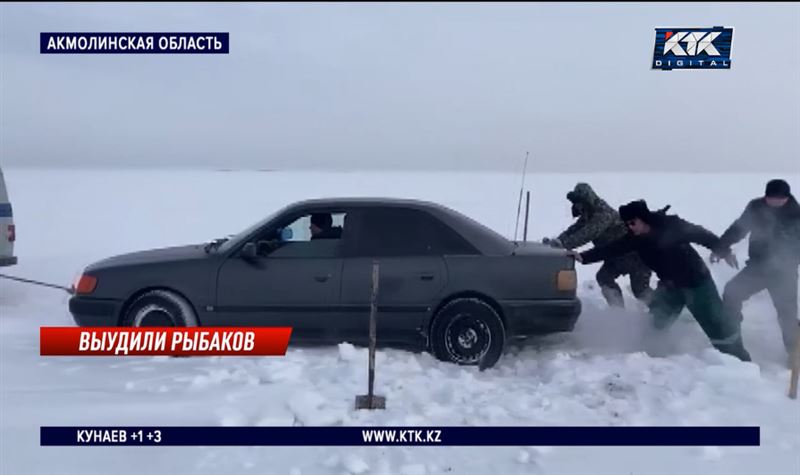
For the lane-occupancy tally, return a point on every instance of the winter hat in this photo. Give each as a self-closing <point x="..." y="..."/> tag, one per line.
<point x="572" y="197"/>
<point x="321" y="220"/>
<point x="778" y="189"/>
<point x="580" y="193"/>
<point x="635" y="209"/>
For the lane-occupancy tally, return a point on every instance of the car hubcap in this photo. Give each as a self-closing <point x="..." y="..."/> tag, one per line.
<point x="467" y="339"/>
<point x="153" y="316"/>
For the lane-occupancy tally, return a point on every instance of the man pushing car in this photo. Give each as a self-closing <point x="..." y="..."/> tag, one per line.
<point x="600" y="223"/>
<point x="664" y="244"/>
<point x="773" y="223"/>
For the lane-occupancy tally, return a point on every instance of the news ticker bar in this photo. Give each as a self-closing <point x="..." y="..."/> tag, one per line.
<point x="175" y="341"/>
<point x="351" y="436"/>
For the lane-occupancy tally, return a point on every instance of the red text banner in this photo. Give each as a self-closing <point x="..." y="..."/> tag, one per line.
<point x="152" y="341"/>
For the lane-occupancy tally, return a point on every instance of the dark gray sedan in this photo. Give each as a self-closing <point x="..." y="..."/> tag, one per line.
<point x="447" y="283"/>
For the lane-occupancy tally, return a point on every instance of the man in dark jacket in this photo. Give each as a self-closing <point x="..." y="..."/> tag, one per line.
<point x="600" y="223"/>
<point x="664" y="243"/>
<point x="773" y="222"/>
<point x="321" y="227"/>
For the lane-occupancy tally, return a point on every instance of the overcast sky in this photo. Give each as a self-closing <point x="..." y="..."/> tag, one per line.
<point x="450" y="86"/>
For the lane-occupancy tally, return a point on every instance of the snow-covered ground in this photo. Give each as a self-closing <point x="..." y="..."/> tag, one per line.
<point x="604" y="373"/>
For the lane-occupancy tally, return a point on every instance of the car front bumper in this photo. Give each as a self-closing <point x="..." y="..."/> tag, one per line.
<point x="94" y="312"/>
<point x="538" y="317"/>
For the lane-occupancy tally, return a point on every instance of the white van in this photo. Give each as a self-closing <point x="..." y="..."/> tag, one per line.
<point x="7" y="230"/>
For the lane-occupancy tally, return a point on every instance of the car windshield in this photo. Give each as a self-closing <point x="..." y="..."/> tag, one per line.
<point x="229" y="243"/>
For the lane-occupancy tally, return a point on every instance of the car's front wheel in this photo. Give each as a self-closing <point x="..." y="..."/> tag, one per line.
<point x="160" y="308"/>
<point x="468" y="331"/>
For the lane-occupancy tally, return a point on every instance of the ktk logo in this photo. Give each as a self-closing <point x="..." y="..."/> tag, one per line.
<point x="696" y="43"/>
<point x="693" y="48"/>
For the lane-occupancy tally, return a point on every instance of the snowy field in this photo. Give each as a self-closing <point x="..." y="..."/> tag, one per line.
<point x="603" y="373"/>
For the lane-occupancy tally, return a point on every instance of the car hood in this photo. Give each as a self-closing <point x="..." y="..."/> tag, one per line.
<point x="167" y="254"/>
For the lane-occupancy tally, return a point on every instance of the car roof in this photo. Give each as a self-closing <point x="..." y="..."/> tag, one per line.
<point x="488" y="241"/>
<point x="369" y="202"/>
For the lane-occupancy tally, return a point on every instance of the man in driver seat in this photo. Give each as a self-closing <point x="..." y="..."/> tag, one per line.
<point x="322" y="227"/>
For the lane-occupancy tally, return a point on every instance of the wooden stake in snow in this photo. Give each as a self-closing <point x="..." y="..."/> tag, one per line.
<point x="370" y="400"/>
<point x="795" y="367"/>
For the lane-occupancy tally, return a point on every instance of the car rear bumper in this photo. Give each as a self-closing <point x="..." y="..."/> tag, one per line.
<point x="537" y="317"/>
<point x="7" y="261"/>
<point x="94" y="312"/>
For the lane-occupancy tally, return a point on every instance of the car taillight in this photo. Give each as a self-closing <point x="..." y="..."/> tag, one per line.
<point x="12" y="233"/>
<point x="86" y="284"/>
<point x="567" y="280"/>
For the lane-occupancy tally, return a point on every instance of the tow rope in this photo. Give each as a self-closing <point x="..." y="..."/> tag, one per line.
<point x="68" y="290"/>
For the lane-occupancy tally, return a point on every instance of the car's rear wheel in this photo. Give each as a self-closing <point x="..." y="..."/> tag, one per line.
<point x="468" y="331"/>
<point x="160" y="308"/>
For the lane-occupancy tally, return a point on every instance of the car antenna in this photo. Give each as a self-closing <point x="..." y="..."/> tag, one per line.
<point x="519" y="202"/>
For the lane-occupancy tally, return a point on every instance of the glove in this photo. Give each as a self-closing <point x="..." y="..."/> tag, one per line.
<point x="729" y="258"/>
<point x="553" y="242"/>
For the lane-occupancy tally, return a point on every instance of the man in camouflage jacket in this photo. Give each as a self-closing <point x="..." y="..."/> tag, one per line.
<point x="600" y="224"/>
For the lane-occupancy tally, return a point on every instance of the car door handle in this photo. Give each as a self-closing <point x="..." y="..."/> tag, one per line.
<point x="426" y="277"/>
<point x="322" y="277"/>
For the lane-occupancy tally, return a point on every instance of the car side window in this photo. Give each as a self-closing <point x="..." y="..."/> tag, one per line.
<point x="310" y="235"/>
<point x="398" y="232"/>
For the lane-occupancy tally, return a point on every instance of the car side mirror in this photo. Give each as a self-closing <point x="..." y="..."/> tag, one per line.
<point x="249" y="252"/>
